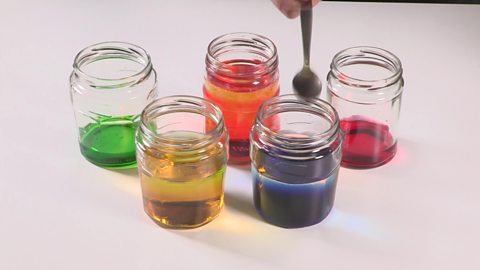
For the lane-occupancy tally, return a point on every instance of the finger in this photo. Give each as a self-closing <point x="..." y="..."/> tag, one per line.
<point x="314" y="2"/>
<point x="289" y="8"/>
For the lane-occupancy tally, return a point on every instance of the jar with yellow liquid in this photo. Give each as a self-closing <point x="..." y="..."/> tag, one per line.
<point x="182" y="152"/>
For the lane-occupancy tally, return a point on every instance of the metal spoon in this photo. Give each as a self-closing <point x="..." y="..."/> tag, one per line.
<point x="306" y="83"/>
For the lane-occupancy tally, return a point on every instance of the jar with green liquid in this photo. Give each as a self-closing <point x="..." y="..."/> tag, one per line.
<point x="110" y="85"/>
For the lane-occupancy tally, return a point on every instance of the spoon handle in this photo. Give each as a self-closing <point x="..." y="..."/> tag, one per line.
<point x="306" y="22"/>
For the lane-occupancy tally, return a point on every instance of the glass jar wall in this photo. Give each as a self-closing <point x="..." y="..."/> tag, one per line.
<point x="296" y="151"/>
<point x="110" y="85"/>
<point x="182" y="151"/>
<point x="365" y="86"/>
<point x="241" y="73"/>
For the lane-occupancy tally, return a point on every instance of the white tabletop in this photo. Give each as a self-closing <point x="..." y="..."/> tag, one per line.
<point x="57" y="211"/>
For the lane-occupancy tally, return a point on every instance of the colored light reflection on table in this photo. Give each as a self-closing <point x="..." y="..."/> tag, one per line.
<point x="355" y="224"/>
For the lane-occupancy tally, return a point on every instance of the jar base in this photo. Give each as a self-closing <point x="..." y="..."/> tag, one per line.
<point x="294" y="226"/>
<point x="293" y="205"/>
<point x="239" y="161"/>
<point x="183" y="215"/>
<point x="110" y="143"/>
<point x="238" y="151"/>
<point x="368" y="162"/>
<point x="119" y="166"/>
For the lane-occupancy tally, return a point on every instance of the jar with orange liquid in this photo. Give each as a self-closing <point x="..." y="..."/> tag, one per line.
<point x="241" y="73"/>
<point x="182" y="155"/>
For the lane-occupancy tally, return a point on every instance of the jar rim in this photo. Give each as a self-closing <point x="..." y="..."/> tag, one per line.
<point x="249" y="40"/>
<point x="124" y="47"/>
<point x="314" y="106"/>
<point x="199" y="104"/>
<point x="391" y="61"/>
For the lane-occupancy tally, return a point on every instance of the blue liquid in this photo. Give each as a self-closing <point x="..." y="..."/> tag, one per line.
<point x="294" y="194"/>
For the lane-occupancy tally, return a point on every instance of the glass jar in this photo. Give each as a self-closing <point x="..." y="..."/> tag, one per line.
<point x="365" y="86"/>
<point x="241" y="73"/>
<point x="182" y="152"/>
<point x="110" y="85"/>
<point x="296" y="152"/>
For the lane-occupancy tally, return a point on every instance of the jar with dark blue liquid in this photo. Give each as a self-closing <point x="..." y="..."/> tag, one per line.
<point x="296" y="152"/>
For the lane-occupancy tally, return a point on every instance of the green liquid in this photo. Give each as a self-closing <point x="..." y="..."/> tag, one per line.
<point x="110" y="142"/>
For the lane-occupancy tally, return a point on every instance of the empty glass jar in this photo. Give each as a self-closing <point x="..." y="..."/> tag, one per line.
<point x="110" y="85"/>
<point x="182" y="152"/>
<point x="296" y="152"/>
<point x="365" y="86"/>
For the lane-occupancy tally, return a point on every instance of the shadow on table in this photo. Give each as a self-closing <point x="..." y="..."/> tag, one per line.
<point x="241" y="204"/>
<point x="128" y="172"/>
<point x="242" y="235"/>
<point x="128" y="181"/>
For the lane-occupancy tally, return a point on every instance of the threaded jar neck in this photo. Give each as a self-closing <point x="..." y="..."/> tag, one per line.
<point x="180" y="124"/>
<point x="256" y="52"/>
<point x="296" y="126"/>
<point x="366" y="67"/>
<point x="112" y="65"/>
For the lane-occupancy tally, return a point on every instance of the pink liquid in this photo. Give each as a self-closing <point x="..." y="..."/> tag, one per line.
<point x="367" y="144"/>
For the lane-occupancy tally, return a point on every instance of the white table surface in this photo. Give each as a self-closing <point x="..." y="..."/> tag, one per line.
<point x="420" y="211"/>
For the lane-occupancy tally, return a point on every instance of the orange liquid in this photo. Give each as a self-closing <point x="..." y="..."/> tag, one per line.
<point x="182" y="190"/>
<point x="239" y="100"/>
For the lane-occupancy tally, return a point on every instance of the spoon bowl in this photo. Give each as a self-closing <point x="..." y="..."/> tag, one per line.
<point x="307" y="84"/>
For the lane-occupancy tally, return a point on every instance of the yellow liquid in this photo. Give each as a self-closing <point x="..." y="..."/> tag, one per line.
<point x="183" y="190"/>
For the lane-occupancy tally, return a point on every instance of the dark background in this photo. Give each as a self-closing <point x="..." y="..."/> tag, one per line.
<point x="438" y="1"/>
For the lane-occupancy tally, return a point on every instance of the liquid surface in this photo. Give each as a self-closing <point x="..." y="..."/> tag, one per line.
<point x="182" y="190"/>
<point x="295" y="193"/>
<point x="110" y="142"/>
<point x="239" y="100"/>
<point x="367" y="144"/>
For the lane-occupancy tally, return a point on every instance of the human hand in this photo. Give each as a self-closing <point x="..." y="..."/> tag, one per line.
<point x="291" y="8"/>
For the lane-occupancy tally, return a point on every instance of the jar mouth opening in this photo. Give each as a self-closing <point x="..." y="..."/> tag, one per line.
<point x="306" y="109"/>
<point x="257" y="52"/>
<point x="134" y="60"/>
<point x="386" y="68"/>
<point x="181" y="129"/>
